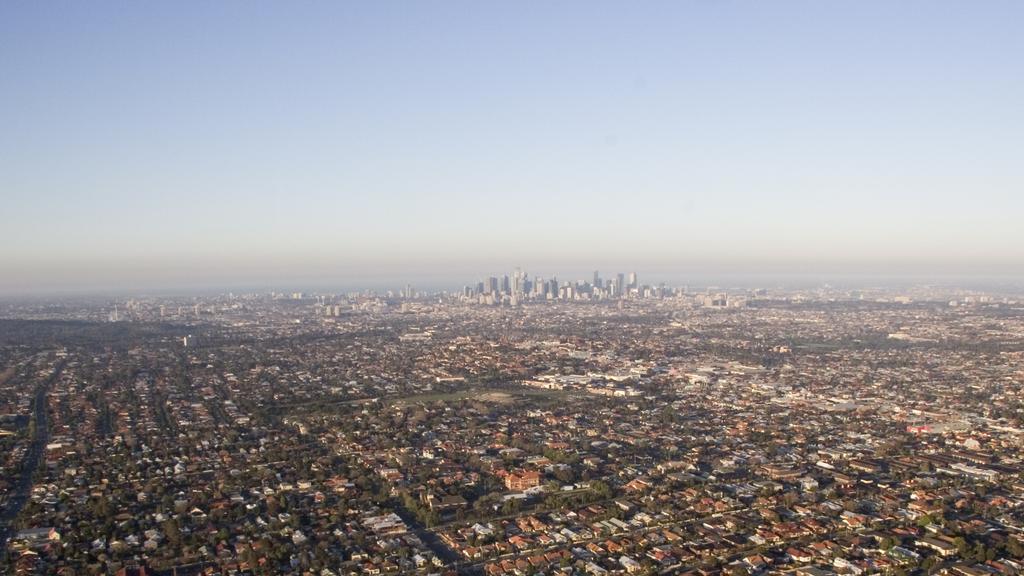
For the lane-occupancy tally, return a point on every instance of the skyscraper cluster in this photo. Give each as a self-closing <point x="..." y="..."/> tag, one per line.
<point x="518" y="287"/>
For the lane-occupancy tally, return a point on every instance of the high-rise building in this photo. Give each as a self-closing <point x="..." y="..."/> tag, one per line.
<point x="517" y="282"/>
<point x="597" y="279"/>
<point x="620" y="284"/>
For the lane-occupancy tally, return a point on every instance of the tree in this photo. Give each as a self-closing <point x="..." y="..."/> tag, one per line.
<point x="1015" y="548"/>
<point x="172" y="532"/>
<point x="980" y="552"/>
<point x="600" y="489"/>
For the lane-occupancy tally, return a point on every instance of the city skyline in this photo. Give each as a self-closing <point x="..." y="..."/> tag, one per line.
<point x="458" y="288"/>
<point x="155" y="147"/>
<point x="455" y="278"/>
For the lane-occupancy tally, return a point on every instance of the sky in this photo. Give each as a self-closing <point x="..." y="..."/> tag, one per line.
<point x="183" y="144"/>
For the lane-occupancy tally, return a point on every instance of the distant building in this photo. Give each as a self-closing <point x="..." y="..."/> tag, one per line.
<point x="34" y="538"/>
<point x="522" y="480"/>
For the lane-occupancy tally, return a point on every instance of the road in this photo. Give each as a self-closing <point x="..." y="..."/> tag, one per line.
<point x="23" y="485"/>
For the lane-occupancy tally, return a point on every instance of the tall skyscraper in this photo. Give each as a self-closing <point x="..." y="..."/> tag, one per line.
<point x="518" y="279"/>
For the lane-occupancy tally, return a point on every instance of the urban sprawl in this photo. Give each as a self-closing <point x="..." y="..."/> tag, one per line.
<point x="519" y="426"/>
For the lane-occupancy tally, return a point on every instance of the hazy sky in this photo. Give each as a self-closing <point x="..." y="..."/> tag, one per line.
<point x="147" y="144"/>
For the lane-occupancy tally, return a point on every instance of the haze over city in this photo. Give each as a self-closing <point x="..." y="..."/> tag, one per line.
<point x="463" y="288"/>
<point x="267" y="144"/>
